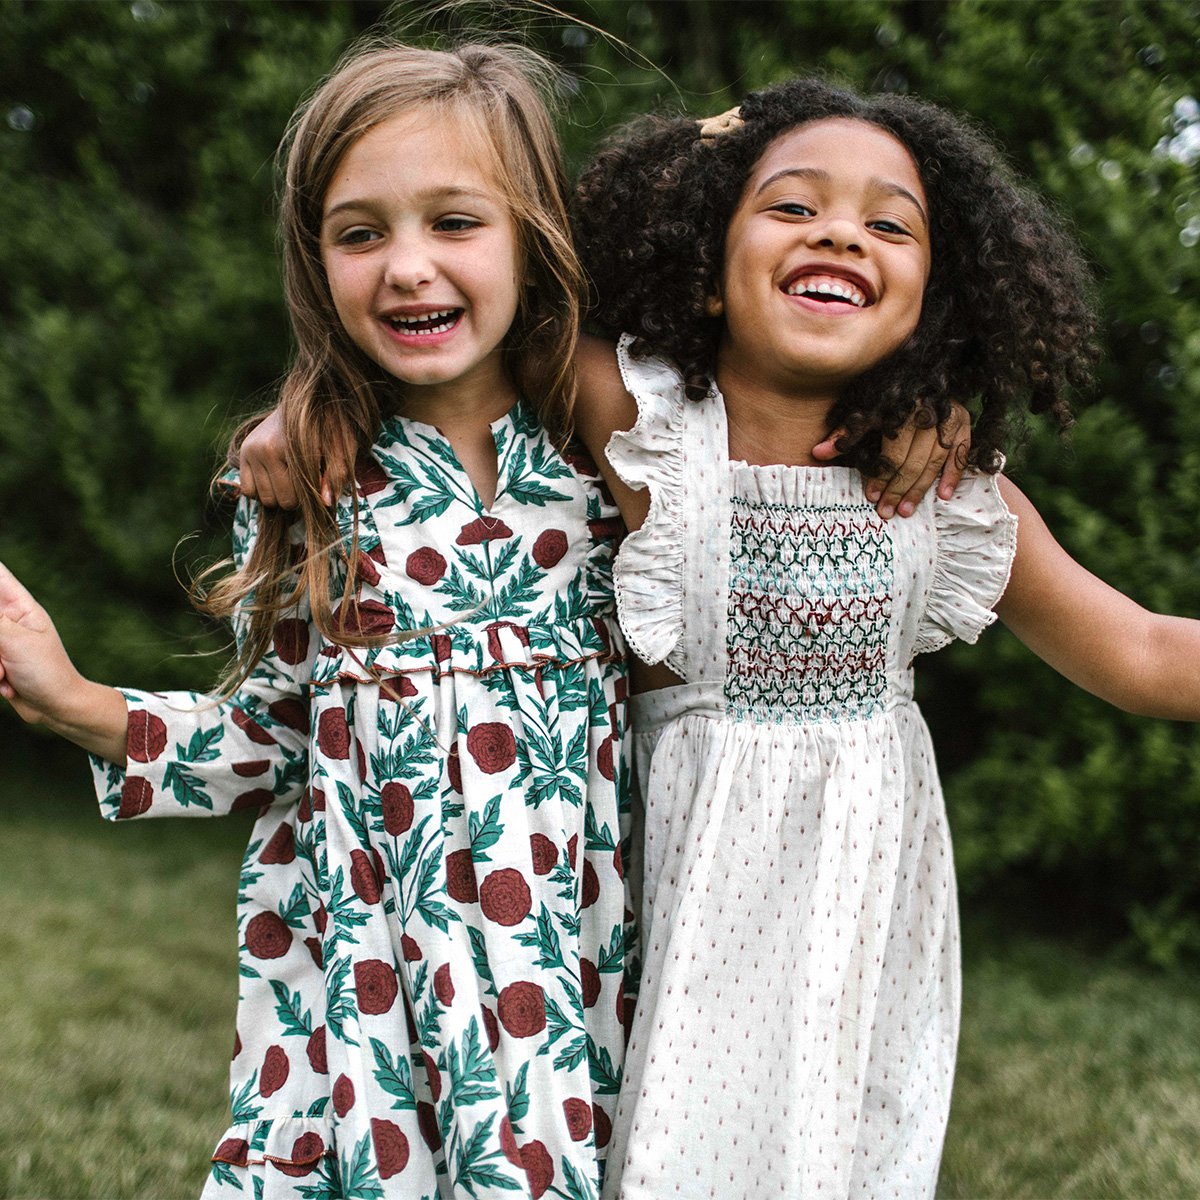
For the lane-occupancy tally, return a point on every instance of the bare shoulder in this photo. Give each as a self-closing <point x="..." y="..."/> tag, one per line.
<point x="603" y="405"/>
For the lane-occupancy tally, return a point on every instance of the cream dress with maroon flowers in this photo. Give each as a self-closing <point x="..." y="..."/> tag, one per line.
<point x="796" y="1026"/>
<point x="433" y="923"/>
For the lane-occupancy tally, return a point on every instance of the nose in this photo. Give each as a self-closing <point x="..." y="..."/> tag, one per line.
<point x="836" y="233"/>
<point x="409" y="264"/>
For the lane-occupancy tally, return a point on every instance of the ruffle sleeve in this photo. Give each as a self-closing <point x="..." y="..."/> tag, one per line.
<point x="648" y="572"/>
<point x="976" y="543"/>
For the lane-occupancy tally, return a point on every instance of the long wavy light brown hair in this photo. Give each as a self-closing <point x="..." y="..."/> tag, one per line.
<point x="334" y="397"/>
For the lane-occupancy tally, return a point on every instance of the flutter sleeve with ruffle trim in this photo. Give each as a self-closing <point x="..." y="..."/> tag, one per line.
<point x="976" y="544"/>
<point x="648" y="574"/>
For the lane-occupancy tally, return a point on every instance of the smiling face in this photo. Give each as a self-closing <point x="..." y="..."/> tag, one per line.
<point x="422" y="258"/>
<point x="826" y="259"/>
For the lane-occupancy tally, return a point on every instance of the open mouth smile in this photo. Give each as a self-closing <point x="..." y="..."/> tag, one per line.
<point x="425" y="324"/>
<point x="826" y="288"/>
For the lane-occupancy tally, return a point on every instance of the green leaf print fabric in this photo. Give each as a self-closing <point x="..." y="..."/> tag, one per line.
<point x="434" y="933"/>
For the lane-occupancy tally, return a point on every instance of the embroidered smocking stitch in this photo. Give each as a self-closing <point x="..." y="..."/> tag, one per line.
<point x="810" y="601"/>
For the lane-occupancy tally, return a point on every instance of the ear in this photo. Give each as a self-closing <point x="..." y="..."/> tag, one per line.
<point x="714" y="306"/>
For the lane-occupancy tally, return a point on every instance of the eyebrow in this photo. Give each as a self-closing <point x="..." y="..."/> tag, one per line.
<point x="437" y="193"/>
<point x="820" y="176"/>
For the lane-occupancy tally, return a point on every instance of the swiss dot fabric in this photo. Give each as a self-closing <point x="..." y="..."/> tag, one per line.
<point x="796" y="1027"/>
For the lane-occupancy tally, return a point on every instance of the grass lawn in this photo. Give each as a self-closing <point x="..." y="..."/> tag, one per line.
<point x="1079" y="1076"/>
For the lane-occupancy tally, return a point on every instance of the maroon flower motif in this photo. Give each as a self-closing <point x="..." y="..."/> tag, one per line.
<point x="375" y="983"/>
<point x="304" y="812"/>
<point x="412" y="952"/>
<point x="442" y="646"/>
<point x="251" y="728"/>
<point x="504" y="897"/>
<point x="391" y="1147"/>
<point x="314" y="948"/>
<point x="320" y="917"/>
<point x="572" y="848"/>
<point x="508" y="1143"/>
<point x="397" y="808"/>
<point x="343" y="1095"/>
<point x="580" y="460"/>
<point x="425" y="566"/>
<point x="364" y="618"/>
<point x="626" y="1008"/>
<point x="522" y="1009"/>
<point x="454" y="769"/>
<point x="460" y="877"/>
<point x="539" y="1167"/>
<point x="496" y="648"/>
<point x="428" y="1124"/>
<point x="363" y="879"/>
<point x="397" y="688"/>
<point x="434" y="1076"/>
<point x="368" y="570"/>
<point x="410" y="1024"/>
<point x="443" y="985"/>
<point x="281" y="848"/>
<point x="316" y="1051"/>
<point x="237" y="1043"/>
<point x="252" y="769"/>
<point x="492" y="1028"/>
<point x="492" y="746"/>
<point x="591" y="886"/>
<point x="274" y="1071"/>
<point x="603" y="1126"/>
<point x="543" y="853"/>
<point x="234" y="1151"/>
<point x="618" y="862"/>
<point x="549" y="548"/>
<point x="589" y="978"/>
<point x="369" y="475"/>
<point x="318" y="800"/>
<point x="268" y="936"/>
<point x="256" y="798"/>
<point x="360" y="759"/>
<point x="483" y="529"/>
<point x="145" y="737"/>
<point x="306" y="1151"/>
<point x="333" y="734"/>
<point x="604" y="758"/>
<point x="606" y="529"/>
<point x="291" y="640"/>
<point x="136" y="796"/>
<point x="290" y="712"/>
<point x="579" y="1117"/>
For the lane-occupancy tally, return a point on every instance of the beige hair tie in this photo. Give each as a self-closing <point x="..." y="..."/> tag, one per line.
<point x="712" y="127"/>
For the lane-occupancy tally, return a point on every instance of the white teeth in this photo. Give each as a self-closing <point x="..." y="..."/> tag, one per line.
<point x="416" y="325"/>
<point x="844" y="291"/>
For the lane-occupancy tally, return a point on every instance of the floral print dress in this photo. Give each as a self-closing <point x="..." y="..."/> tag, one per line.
<point x="434" y="936"/>
<point x="797" y="1019"/>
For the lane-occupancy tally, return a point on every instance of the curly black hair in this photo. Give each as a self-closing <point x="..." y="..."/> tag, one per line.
<point x="1007" y="320"/>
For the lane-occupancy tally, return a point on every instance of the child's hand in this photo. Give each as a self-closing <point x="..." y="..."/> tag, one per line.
<point x="262" y="465"/>
<point x="41" y="683"/>
<point x="922" y="458"/>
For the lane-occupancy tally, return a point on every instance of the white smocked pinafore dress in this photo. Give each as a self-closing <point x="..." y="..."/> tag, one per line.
<point x="796" y="1028"/>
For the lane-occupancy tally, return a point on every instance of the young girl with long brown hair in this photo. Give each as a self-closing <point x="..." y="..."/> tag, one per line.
<point x="427" y="701"/>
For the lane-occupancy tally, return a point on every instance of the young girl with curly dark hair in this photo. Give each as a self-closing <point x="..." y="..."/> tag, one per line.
<point x="819" y="259"/>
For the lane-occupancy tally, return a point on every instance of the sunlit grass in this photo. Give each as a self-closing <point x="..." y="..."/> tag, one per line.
<point x="1079" y="1076"/>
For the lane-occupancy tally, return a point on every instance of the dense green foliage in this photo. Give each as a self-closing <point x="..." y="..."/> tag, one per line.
<point x="141" y="314"/>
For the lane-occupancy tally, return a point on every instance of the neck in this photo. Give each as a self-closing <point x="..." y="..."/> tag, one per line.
<point x="476" y="399"/>
<point x="771" y="425"/>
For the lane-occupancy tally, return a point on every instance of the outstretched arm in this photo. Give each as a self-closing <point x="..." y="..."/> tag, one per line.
<point x="1143" y="662"/>
<point x="39" y="680"/>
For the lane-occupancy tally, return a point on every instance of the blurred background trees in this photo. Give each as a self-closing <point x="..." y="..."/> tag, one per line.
<point x="140" y="316"/>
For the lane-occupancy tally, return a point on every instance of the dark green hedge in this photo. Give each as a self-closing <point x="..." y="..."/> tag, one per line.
<point x="140" y="314"/>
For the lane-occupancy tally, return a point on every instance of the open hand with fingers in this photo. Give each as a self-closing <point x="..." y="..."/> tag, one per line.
<point x="39" y="680"/>
<point x="921" y="456"/>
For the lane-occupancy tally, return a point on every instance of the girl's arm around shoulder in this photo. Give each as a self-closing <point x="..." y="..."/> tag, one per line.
<point x="604" y="407"/>
<point x="1143" y="662"/>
